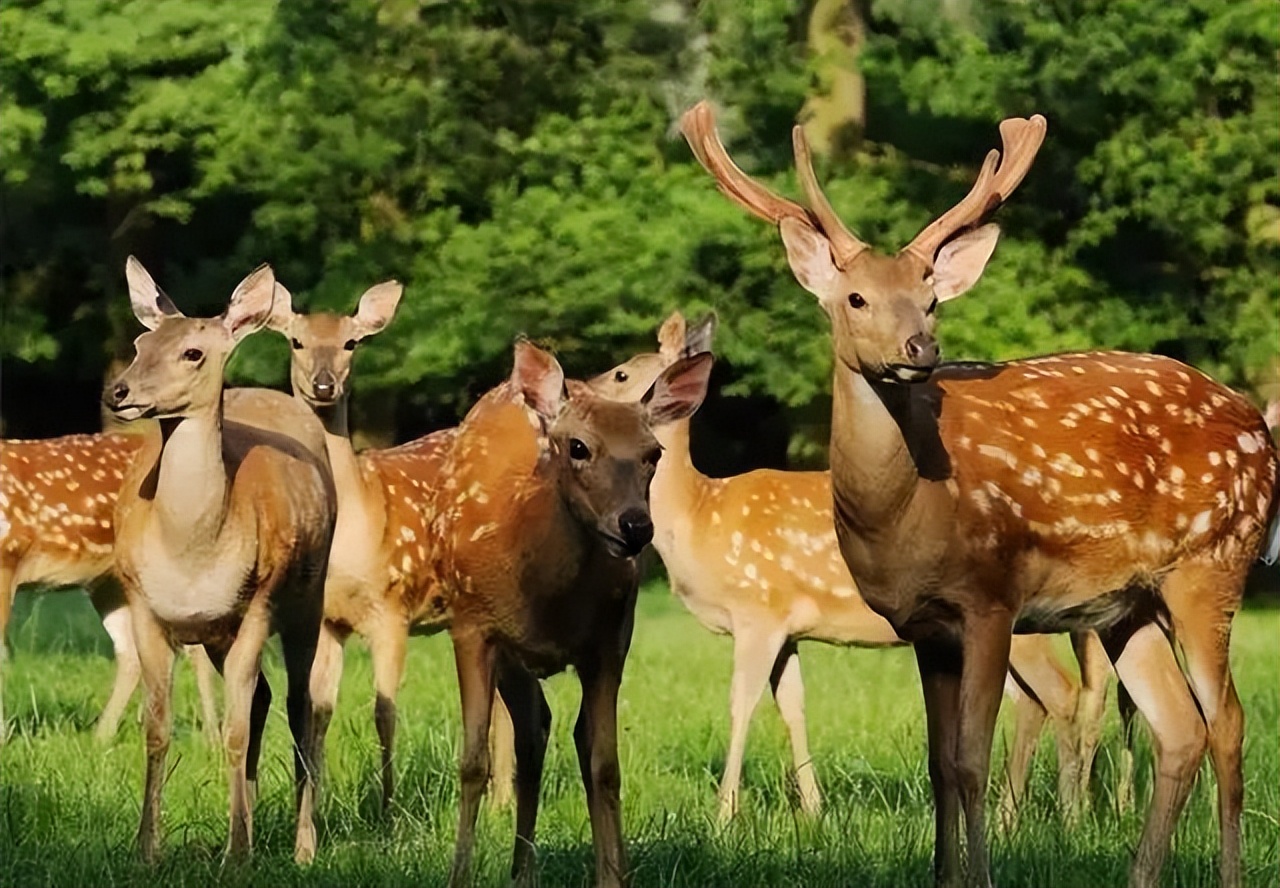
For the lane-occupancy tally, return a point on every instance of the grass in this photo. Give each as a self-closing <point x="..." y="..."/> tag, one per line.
<point x="69" y="807"/>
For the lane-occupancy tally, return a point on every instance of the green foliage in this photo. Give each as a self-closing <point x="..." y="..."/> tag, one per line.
<point x="517" y="166"/>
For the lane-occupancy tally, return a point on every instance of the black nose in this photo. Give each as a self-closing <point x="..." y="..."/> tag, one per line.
<point x="324" y="385"/>
<point x="118" y="393"/>
<point x="922" y="350"/>
<point x="637" y="529"/>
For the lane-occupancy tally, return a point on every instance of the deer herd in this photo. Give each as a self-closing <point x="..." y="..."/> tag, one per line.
<point x="970" y="511"/>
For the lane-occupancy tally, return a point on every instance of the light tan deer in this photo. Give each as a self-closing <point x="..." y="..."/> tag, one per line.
<point x="379" y="583"/>
<point x="222" y="537"/>
<point x="754" y="556"/>
<point x="1123" y="493"/>
<point x="544" y="506"/>
<point x="57" y="501"/>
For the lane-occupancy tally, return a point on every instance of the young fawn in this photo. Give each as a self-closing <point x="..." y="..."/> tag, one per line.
<point x="754" y="556"/>
<point x="379" y="583"/>
<point x="1123" y="493"/>
<point x="57" y="502"/>
<point x="543" y="508"/>
<point x="222" y="537"/>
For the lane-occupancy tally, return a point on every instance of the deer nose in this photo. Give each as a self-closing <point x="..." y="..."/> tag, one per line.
<point x="324" y="385"/>
<point x="637" y="529"/>
<point x="922" y="350"/>
<point x="118" y="393"/>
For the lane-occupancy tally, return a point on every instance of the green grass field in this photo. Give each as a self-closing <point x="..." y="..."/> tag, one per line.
<point x="69" y="807"/>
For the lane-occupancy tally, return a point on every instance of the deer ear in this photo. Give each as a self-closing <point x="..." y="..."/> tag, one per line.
<point x="961" y="261"/>
<point x="671" y="335"/>
<point x="250" y="306"/>
<point x="538" y="377"/>
<point x="809" y="254"/>
<point x="281" y="310"/>
<point x="697" y="339"/>
<point x="679" y="391"/>
<point x="377" y="307"/>
<point x="150" y="304"/>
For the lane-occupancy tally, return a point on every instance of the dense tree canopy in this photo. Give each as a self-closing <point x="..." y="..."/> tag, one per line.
<point x="517" y="165"/>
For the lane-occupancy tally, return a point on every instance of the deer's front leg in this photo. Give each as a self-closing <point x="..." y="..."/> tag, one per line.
<point x="240" y="673"/>
<point x="155" y="654"/>
<point x="474" y="658"/>
<point x="596" y="737"/>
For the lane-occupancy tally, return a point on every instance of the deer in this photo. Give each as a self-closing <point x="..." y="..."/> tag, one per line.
<point x="754" y="556"/>
<point x="1122" y="493"/>
<point x="379" y="584"/>
<point x="223" y="528"/>
<point x="542" y="512"/>
<point x="57" y="501"/>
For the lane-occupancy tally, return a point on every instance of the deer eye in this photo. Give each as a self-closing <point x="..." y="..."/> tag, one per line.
<point x="349" y="345"/>
<point x="295" y="343"/>
<point x="578" y="450"/>
<point x="856" y="301"/>
<point x="933" y="306"/>
<point x="192" y="354"/>
<point x="620" y="376"/>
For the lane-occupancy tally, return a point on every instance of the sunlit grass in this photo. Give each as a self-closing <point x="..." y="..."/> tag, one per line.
<point x="69" y="807"/>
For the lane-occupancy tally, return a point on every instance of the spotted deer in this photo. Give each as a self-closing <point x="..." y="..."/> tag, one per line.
<point x="1122" y="493"/>
<point x="57" y="499"/>
<point x="754" y="556"/>
<point x="222" y="538"/>
<point x="543" y="508"/>
<point x="379" y="584"/>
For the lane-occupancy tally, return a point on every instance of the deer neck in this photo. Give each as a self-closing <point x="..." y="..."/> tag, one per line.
<point x="874" y="474"/>
<point x="677" y="484"/>
<point x="348" y="480"/>
<point x="192" y="487"/>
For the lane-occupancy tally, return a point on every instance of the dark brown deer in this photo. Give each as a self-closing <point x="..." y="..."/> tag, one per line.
<point x="543" y="508"/>
<point x="222" y="537"/>
<point x="1118" y="492"/>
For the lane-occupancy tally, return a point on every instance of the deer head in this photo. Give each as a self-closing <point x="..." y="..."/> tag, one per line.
<point x="178" y="368"/>
<point x="631" y="379"/>
<point x="881" y="307"/>
<point x="603" y="452"/>
<point x="324" y="344"/>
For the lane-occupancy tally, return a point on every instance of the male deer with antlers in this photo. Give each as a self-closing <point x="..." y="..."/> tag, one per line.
<point x="57" y="501"/>
<point x="222" y="537"/>
<point x="379" y="583"/>
<point x="755" y="556"/>
<point x="543" y="508"/>
<point x="1123" y="493"/>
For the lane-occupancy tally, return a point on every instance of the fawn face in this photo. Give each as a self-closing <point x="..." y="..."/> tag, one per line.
<point x="603" y="453"/>
<point x="323" y="344"/>
<point x="630" y="380"/>
<point x="177" y="370"/>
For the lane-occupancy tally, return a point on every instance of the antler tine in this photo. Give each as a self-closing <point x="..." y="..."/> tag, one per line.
<point x="699" y="128"/>
<point x="844" y="244"/>
<point x="1021" y="139"/>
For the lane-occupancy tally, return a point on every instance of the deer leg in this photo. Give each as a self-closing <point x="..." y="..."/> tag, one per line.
<point x="298" y="641"/>
<point x="939" y="665"/>
<point x="755" y="650"/>
<point x="474" y="658"/>
<point x="531" y="726"/>
<point x="1029" y="718"/>
<point x="240" y="671"/>
<point x="155" y="654"/>
<point x="1149" y="671"/>
<point x="1124" y="779"/>
<point x="326" y="676"/>
<point x="985" y="643"/>
<point x="258" y="712"/>
<point x="1037" y="667"/>
<point x="788" y="693"/>
<point x="388" y="649"/>
<point x="1202" y="626"/>
<point x="119" y="625"/>
<point x="1095" y="671"/>
<point x="502" y="770"/>
<point x="203" y="668"/>
<point x="596" y="738"/>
